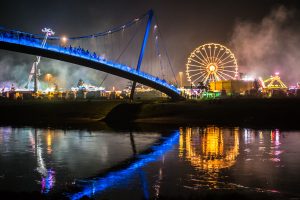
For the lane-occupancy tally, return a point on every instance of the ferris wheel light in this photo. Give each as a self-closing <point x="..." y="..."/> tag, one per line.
<point x="212" y="68"/>
<point x="211" y="62"/>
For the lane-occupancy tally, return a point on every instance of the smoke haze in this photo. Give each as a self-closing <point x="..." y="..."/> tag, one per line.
<point x="270" y="46"/>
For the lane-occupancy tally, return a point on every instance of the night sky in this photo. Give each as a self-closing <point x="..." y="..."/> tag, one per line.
<point x="240" y="25"/>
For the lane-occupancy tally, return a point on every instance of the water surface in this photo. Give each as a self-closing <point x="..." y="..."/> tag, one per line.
<point x="150" y="165"/>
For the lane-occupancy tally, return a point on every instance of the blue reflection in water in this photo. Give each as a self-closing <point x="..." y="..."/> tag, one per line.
<point x="48" y="181"/>
<point x="144" y="184"/>
<point x="100" y="184"/>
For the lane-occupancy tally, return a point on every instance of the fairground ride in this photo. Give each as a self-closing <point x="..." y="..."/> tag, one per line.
<point x="211" y="62"/>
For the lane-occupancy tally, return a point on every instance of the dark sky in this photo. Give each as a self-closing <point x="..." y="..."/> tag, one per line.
<point x="184" y="20"/>
<point x="185" y="24"/>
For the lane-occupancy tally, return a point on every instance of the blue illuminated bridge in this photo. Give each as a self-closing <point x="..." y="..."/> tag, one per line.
<point x="28" y="43"/>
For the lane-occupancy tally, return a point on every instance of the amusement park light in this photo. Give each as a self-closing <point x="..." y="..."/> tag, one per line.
<point x="276" y="73"/>
<point x="248" y="78"/>
<point x="48" y="31"/>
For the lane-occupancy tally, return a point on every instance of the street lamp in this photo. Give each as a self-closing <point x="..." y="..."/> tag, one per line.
<point x="48" y="77"/>
<point x="64" y="39"/>
<point x="180" y="77"/>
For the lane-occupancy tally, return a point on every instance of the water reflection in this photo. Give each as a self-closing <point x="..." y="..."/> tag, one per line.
<point x="267" y="142"/>
<point x="47" y="175"/>
<point x="52" y="159"/>
<point x="209" y="148"/>
<point x="191" y="159"/>
<point x="275" y="150"/>
<point x="48" y="181"/>
<point x="49" y="141"/>
<point x="97" y="185"/>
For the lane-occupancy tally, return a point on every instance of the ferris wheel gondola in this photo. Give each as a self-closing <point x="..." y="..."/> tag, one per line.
<point x="211" y="62"/>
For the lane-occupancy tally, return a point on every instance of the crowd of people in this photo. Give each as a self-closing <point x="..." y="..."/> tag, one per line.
<point x="19" y="36"/>
<point x="83" y="52"/>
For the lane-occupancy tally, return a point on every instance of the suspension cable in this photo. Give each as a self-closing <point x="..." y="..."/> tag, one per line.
<point x="113" y="30"/>
<point x="157" y="51"/>
<point x="167" y="54"/>
<point x="123" y="51"/>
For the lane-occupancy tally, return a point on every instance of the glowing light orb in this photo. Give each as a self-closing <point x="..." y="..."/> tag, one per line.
<point x="64" y="39"/>
<point x="212" y="68"/>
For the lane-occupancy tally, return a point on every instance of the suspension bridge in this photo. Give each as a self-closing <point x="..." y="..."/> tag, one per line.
<point x="94" y="51"/>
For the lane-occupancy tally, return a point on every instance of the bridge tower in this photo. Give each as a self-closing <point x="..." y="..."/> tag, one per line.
<point x="148" y="27"/>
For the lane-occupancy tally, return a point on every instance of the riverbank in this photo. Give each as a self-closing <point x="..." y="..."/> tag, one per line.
<point x="228" y="112"/>
<point x="56" y="113"/>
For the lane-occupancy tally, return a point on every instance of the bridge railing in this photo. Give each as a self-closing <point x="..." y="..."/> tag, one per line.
<point x="27" y="39"/>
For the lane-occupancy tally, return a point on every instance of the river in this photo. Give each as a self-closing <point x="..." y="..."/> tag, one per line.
<point x="181" y="163"/>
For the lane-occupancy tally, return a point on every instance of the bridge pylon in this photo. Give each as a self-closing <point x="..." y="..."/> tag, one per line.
<point x="146" y="35"/>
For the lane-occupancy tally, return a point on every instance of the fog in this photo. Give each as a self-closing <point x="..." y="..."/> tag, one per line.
<point x="269" y="46"/>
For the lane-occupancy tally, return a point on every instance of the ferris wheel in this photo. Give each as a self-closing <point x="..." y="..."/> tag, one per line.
<point x="211" y="62"/>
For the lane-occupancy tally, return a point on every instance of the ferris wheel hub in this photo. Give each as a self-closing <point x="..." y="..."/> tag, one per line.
<point x="212" y="68"/>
